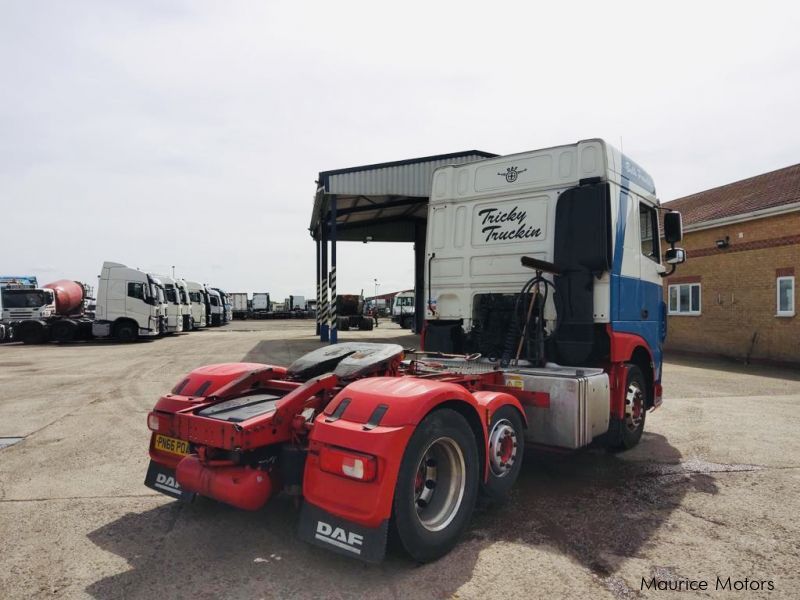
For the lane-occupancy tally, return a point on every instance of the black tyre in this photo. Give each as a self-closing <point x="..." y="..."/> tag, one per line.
<point x="34" y="334"/>
<point x="343" y="323"/>
<point x="125" y="332"/>
<point x="63" y="331"/>
<point x="366" y="324"/>
<point x="625" y="433"/>
<point x="437" y="485"/>
<point x="505" y="450"/>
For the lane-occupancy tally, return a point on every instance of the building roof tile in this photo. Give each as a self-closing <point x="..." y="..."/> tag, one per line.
<point x="768" y="190"/>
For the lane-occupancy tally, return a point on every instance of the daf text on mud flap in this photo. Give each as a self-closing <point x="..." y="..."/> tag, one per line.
<point x="167" y="482"/>
<point x="339" y="537"/>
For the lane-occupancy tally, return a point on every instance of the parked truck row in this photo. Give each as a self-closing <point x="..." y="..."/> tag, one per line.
<point x="130" y="304"/>
<point x="261" y="306"/>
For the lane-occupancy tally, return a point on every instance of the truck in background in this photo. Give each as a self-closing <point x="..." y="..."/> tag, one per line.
<point x="261" y="306"/>
<point x="186" y="304"/>
<point x="403" y="309"/>
<point x="173" y="310"/>
<point x="225" y="302"/>
<point x="54" y="312"/>
<point x="129" y="304"/>
<point x="351" y="314"/>
<point x="240" y="308"/>
<point x="197" y="298"/>
<point x="216" y="310"/>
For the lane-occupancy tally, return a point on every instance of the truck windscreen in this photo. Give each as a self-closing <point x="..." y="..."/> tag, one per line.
<point x="172" y="296"/>
<point x="25" y="298"/>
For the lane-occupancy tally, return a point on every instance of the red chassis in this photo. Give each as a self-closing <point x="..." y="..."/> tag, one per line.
<point x="362" y="436"/>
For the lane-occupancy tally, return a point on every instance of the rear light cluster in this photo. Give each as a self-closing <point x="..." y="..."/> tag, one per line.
<point x="354" y="465"/>
<point x="158" y="422"/>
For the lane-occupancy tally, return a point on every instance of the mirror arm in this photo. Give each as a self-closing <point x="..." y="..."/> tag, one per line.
<point x="670" y="272"/>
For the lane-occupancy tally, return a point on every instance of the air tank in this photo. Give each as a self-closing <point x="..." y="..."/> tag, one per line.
<point x="69" y="296"/>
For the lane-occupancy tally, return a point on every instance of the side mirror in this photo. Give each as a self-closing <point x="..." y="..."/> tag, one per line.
<point x="675" y="256"/>
<point x="673" y="227"/>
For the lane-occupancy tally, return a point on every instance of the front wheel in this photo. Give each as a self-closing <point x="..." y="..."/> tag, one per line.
<point x="625" y="433"/>
<point x="126" y="332"/>
<point x="437" y="485"/>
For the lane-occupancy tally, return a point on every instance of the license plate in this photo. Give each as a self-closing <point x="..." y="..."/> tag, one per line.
<point x="171" y="445"/>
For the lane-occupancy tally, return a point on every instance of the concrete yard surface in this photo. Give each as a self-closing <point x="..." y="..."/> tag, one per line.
<point x="712" y="491"/>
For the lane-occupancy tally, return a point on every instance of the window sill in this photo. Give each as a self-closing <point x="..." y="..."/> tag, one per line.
<point x="684" y="314"/>
<point x="784" y="315"/>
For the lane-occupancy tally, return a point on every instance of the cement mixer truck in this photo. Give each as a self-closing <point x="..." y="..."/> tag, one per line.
<point x="55" y="312"/>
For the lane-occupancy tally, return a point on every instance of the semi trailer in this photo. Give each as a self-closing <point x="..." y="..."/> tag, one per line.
<point x="240" y="305"/>
<point x="544" y="326"/>
<point x="261" y="306"/>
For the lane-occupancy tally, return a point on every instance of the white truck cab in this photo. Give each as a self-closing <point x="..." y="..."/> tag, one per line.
<point x="403" y="309"/>
<point x="129" y="304"/>
<point x="186" y="304"/>
<point x="197" y="299"/>
<point x="217" y="309"/>
<point x="173" y="306"/>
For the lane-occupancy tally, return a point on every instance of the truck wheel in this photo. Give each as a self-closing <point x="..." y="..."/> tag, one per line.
<point x="343" y="323"/>
<point x="506" y="448"/>
<point x="437" y="485"/>
<point x="366" y="324"/>
<point x="63" y="331"/>
<point x="405" y="323"/>
<point x="125" y="332"/>
<point x="625" y="433"/>
<point x="31" y="335"/>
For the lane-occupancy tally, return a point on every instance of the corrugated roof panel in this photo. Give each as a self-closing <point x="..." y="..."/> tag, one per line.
<point x="401" y="180"/>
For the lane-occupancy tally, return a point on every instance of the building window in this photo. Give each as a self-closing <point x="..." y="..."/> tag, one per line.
<point x="684" y="299"/>
<point x="785" y="297"/>
<point x="648" y="227"/>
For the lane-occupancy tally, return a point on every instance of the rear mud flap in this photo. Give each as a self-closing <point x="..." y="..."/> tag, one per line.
<point x="162" y="479"/>
<point x="339" y="535"/>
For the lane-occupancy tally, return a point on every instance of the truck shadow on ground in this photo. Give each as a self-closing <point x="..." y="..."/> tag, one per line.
<point x="594" y="507"/>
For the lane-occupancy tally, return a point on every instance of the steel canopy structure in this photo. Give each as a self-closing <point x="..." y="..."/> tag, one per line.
<point x="385" y="202"/>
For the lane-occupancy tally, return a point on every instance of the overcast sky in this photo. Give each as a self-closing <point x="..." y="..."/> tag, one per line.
<point x="160" y="133"/>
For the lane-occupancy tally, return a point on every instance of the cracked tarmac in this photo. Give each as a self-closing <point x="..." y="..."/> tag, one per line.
<point x="712" y="490"/>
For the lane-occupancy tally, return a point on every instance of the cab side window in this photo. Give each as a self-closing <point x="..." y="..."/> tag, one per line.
<point x="648" y="228"/>
<point x="136" y="290"/>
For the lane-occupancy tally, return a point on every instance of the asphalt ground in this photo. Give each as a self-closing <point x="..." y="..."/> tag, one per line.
<point x="711" y="491"/>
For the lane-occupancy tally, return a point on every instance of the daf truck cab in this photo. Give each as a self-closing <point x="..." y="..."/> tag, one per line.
<point x="197" y="298"/>
<point x="186" y="305"/>
<point x="403" y="309"/>
<point x="217" y="311"/>
<point x="173" y="306"/>
<point x="129" y="304"/>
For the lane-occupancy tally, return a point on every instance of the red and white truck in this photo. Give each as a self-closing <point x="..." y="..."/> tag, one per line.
<point x="544" y="327"/>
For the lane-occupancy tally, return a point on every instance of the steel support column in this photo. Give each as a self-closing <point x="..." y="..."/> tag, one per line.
<point x="319" y="292"/>
<point x="420" y="293"/>
<point x="333" y="313"/>
<point x="323" y="280"/>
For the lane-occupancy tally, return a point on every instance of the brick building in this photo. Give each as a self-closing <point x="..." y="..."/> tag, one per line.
<point x="736" y="294"/>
